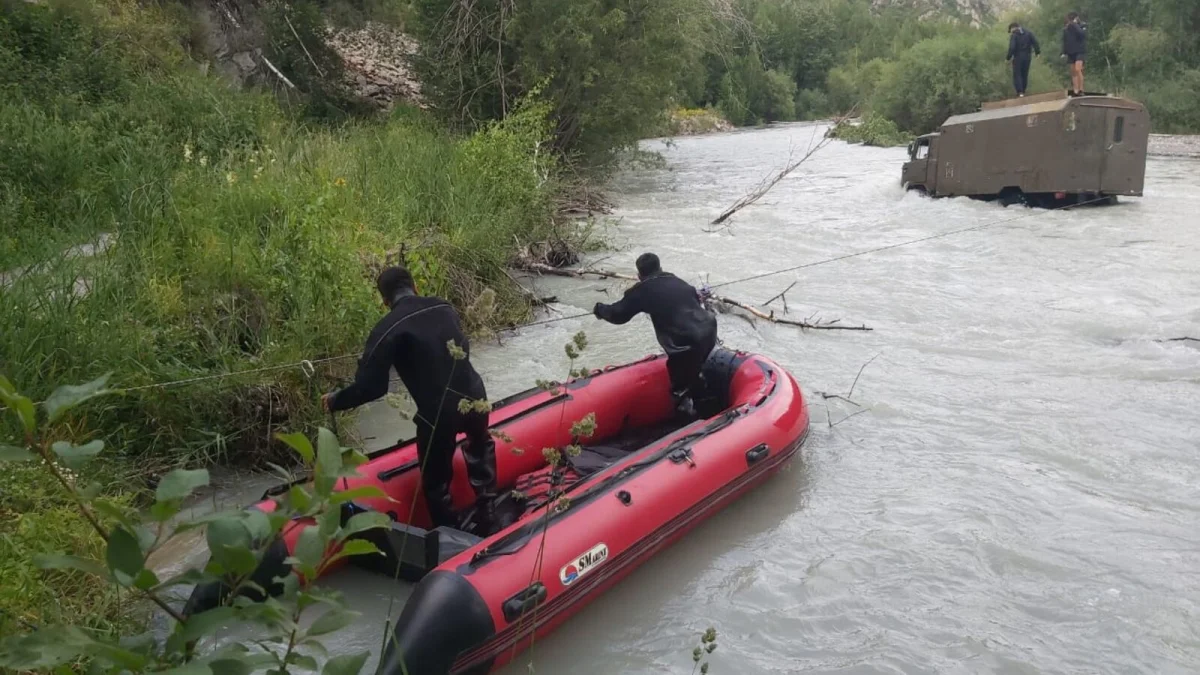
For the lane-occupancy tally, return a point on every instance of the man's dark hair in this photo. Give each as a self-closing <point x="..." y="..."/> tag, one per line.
<point x="1071" y="16"/>
<point x="392" y="280"/>
<point x="1013" y="25"/>
<point x="647" y="264"/>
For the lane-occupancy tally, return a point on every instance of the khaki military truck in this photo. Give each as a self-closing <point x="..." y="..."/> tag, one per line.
<point x="1045" y="150"/>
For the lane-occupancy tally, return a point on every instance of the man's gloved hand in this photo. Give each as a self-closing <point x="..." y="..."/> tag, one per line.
<point x="600" y="310"/>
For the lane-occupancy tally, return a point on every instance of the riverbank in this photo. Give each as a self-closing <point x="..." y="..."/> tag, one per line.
<point x="1165" y="145"/>
<point x="214" y="253"/>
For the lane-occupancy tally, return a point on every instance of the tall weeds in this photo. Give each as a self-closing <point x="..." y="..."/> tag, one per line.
<point x="242" y="237"/>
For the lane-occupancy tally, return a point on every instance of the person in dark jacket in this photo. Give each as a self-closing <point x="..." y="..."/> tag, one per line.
<point x="1074" y="49"/>
<point x="1022" y="46"/>
<point x="421" y="337"/>
<point x="686" y="330"/>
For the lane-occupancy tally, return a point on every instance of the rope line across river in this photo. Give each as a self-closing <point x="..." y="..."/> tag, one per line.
<point x="308" y="364"/>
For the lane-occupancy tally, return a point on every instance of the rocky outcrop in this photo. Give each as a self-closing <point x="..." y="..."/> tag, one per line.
<point x="377" y="63"/>
<point x="975" y="11"/>
<point x="229" y="37"/>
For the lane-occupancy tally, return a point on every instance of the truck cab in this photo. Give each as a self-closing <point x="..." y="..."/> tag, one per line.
<point x="920" y="171"/>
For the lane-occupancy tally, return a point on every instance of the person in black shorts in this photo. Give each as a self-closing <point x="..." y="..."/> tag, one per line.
<point x="1074" y="49"/>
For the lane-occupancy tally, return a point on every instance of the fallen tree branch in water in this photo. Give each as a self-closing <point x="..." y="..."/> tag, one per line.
<point x="730" y="302"/>
<point x="759" y="314"/>
<point x="782" y="296"/>
<point x="771" y="181"/>
<point x="861" y="408"/>
<point x="860" y="372"/>
<point x="1180" y="339"/>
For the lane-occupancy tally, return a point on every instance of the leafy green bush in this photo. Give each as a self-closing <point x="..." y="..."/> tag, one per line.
<point x="242" y="238"/>
<point x="852" y="85"/>
<point x="1173" y="103"/>
<point x="751" y="94"/>
<point x="114" y="559"/>
<point x="946" y="76"/>
<point x="608" y="68"/>
<point x="872" y="130"/>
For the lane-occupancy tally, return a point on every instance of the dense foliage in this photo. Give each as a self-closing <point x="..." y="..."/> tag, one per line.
<point x="608" y="68"/>
<point x="797" y="59"/>
<point x="872" y="129"/>
<point x="114" y="561"/>
<point x="238" y="238"/>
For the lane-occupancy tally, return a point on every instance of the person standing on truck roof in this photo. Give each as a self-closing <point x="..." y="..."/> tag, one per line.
<point x="415" y="338"/>
<point x="1022" y="45"/>
<point x="686" y="330"/>
<point x="1074" y="48"/>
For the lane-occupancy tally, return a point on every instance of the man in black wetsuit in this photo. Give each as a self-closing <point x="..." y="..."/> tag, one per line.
<point x="1022" y="45"/>
<point x="684" y="328"/>
<point x="414" y="338"/>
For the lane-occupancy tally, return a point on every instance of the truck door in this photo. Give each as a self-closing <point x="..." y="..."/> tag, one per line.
<point x="1119" y="152"/>
<point x="916" y="169"/>
<point x="931" y="166"/>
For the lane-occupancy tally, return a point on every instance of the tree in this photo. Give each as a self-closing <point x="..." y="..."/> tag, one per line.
<point x="608" y="68"/>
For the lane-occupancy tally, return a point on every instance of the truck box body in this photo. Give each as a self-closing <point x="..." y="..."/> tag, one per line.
<point x="1051" y="146"/>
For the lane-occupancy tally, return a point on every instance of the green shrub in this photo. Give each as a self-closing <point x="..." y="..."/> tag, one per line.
<point x="947" y="76"/>
<point x="751" y="94"/>
<point x="99" y="589"/>
<point x="608" y="68"/>
<point x="872" y="130"/>
<point x="852" y="85"/>
<point x="1173" y="103"/>
<point x="244" y="238"/>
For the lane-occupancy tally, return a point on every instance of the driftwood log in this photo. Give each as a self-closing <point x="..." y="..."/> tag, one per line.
<point x="754" y="312"/>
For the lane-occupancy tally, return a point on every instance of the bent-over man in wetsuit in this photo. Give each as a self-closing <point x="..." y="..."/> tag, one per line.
<point x="413" y="338"/>
<point x="685" y="329"/>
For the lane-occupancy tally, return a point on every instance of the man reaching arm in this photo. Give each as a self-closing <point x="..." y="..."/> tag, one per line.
<point x="686" y="331"/>
<point x="421" y="337"/>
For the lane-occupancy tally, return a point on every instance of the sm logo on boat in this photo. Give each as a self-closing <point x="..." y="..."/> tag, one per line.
<point x="583" y="564"/>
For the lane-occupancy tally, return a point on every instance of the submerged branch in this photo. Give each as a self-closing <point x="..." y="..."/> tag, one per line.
<point x="758" y="313"/>
<point x="538" y="268"/>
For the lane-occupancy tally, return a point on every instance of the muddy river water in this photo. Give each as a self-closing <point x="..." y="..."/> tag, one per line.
<point x="1022" y="494"/>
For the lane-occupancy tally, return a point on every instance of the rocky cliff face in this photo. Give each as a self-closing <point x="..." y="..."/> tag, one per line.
<point x="230" y="37"/>
<point x="376" y="58"/>
<point x="976" y="11"/>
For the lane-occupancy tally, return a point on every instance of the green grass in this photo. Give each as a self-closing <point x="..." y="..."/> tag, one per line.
<point x="244" y="237"/>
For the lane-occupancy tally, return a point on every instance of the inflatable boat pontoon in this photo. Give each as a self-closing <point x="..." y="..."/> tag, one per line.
<point x="640" y="483"/>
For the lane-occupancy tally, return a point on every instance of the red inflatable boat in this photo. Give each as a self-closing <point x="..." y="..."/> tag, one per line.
<point x="640" y="482"/>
